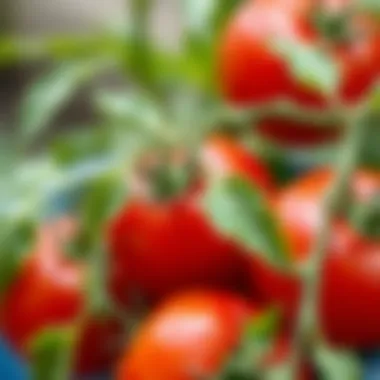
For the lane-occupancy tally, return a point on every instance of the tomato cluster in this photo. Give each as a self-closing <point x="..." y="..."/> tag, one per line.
<point x="203" y="286"/>
<point x="253" y="72"/>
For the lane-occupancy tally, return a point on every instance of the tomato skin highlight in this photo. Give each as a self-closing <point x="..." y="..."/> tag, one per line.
<point x="49" y="292"/>
<point x="190" y="335"/>
<point x="350" y="287"/>
<point x="163" y="247"/>
<point x="252" y="72"/>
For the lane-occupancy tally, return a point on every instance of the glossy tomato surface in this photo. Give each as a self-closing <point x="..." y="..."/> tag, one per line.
<point x="49" y="292"/>
<point x="349" y="307"/>
<point x="160" y="247"/>
<point x="189" y="337"/>
<point x="252" y="71"/>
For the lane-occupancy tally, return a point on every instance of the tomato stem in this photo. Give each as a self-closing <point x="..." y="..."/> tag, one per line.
<point x="330" y="118"/>
<point x="308" y="329"/>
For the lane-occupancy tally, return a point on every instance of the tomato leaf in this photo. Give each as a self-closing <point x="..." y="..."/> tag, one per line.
<point x="257" y="340"/>
<point x="310" y="66"/>
<point x="279" y="372"/>
<point x="16" y="241"/>
<point x="337" y="364"/>
<point x="374" y="99"/>
<point x="370" y="152"/>
<point x="52" y="352"/>
<point x="130" y="109"/>
<point x="207" y="17"/>
<point x="140" y="52"/>
<point x="81" y="145"/>
<point x="102" y="199"/>
<point x="50" y="93"/>
<point x="365" y="217"/>
<point x="371" y="6"/>
<point x="241" y="212"/>
<point x="204" y="20"/>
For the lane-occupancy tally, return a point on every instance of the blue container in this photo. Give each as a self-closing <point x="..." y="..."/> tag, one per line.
<point x="11" y="366"/>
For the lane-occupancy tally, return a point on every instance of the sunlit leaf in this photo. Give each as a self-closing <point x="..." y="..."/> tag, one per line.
<point x="128" y="108"/>
<point x="49" y="94"/>
<point x="310" y="66"/>
<point x="240" y="211"/>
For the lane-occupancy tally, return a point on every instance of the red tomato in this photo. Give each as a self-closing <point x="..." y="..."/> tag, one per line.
<point x="192" y="336"/>
<point x="49" y="292"/>
<point x="160" y="247"/>
<point x="252" y="72"/>
<point x="189" y="337"/>
<point x="349" y="308"/>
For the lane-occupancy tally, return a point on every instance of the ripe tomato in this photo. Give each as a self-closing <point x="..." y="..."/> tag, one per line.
<point x="192" y="336"/>
<point x="349" y="308"/>
<point x="49" y="292"/>
<point x="163" y="246"/>
<point x="252" y="72"/>
<point x="189" y="337"/>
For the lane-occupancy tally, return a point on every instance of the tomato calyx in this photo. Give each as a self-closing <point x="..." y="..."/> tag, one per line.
<point x="166" y="176"/>
<point x="168" y="181"/>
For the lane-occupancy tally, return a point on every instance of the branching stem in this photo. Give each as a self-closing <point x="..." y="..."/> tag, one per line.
<point x="308" y="327"/>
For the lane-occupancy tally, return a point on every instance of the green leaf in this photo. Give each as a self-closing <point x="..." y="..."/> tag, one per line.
<point x="207" y="17"/>
<point x="338" y="364"/>
<point x="16" y="241"/>
<point x="279" y="372"/>
<point x="370" y="152"/>
<point x="371" y="6"/>
<point x="242" y="213"/>
<point x="204" y="20"/>
<point x="102" y="199"/>
<point x="263" y="327"/>
<point x="52" y="352"/>
<point x="257" y="340"/>
<point x="61" y="47"/>
<point x="310" y="66"/>
<point x="82" y="145"/>
<point x="50" y="93"/>
<point x="141" y="61"/>
<point x="138" y="116"/>
<point x="374" y="99"/>
<point x="134" y="109"/>
<point x="365" y="217"/>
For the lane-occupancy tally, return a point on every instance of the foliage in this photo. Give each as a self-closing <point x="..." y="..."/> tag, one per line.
<point x="174" y="98"/>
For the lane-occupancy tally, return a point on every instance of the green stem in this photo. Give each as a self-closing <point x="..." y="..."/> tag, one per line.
<point x="283" y="109"/>
<point x="140" y="51"/>
<point x="308" y="327"/>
